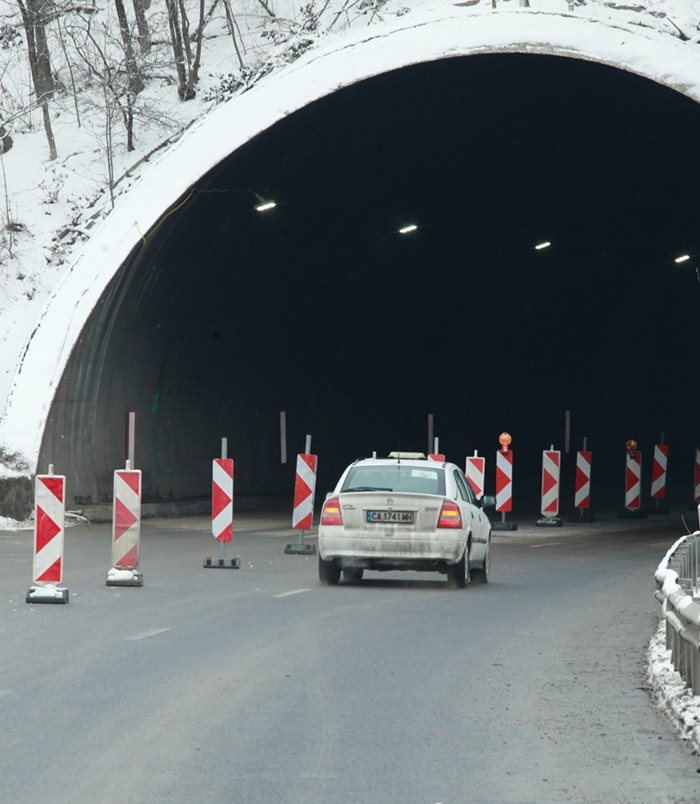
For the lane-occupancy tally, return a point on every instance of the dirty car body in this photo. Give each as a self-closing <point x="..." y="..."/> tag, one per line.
<point x="403" y="514"/>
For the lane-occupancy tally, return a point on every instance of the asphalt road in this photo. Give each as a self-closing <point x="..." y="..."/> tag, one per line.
<point x="259" y="685"/>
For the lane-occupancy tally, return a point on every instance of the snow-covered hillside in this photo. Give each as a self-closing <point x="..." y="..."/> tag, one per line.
<point x="50" y="206"/>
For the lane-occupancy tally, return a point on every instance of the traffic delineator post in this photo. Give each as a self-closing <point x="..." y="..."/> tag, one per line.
<point x="304" y="496"/>
<point x="633" y="483"/>
<point x="49" y="530"/>
<point x="436" y="456"/>
<point x="126" y="528"/>
<point x="582" y="486"/>
<point x="551" y="474"/>
<point x="504" y="483"/>
<point x="475" y="472"/>
<point x="222" y="509"/>
<point x="696" y="478"/>
<point x="659" y="477"/>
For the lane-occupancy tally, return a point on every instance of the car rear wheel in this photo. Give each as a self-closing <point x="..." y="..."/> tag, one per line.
<point x="328" y="572"/>
<point x="458" y="574"/>
<point x="481" y="574"/>
<point x="353" y="575"/>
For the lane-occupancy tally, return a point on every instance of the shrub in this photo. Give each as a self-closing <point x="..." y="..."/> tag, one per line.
<point x="16" y="497"/>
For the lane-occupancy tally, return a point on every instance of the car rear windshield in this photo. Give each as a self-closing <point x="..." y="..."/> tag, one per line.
<point x="414" y="479"/>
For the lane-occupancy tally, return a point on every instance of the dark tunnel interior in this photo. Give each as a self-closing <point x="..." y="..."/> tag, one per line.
<point x="224" y="316"/>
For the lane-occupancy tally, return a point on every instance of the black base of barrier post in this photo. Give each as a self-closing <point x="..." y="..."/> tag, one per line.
<point x="47" y="594"/>
<point x="222" y="563"/>
<point x="548" y="522"/>
<point x="301" y="548"/>
<point x="504" y="524"/>
<point x="658" y="509"/>
<point x="124" y="577"/>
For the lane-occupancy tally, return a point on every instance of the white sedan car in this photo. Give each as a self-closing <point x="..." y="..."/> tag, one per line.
<point x="404" y="514"/>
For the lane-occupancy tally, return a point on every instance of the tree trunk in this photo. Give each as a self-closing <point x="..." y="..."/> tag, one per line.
<point x="132" y="69"/>
<point x="194" y="71"/>
<point x="142" y="25"/>
<point x="176" y="39"/>
<point x="5" y="140"/>
<point x="232" y="28"/>
<point x="39" y="61"/>
<point x="49" y="130"/>
<point x="185" y="26"/>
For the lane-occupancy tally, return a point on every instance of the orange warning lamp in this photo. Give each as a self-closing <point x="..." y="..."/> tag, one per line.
<point x="630" y="446"/>
<point x="505" y="440"/>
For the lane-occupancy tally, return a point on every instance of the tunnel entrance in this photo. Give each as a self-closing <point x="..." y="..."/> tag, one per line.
<point x="224" y="316"/>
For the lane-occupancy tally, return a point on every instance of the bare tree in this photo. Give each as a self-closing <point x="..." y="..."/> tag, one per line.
<point x="132" y="69"/>
<point x="108" y="63"/>
<point x="144" y="37"/>
<point x="186" y="64"/>
<point x="35" y="14"/>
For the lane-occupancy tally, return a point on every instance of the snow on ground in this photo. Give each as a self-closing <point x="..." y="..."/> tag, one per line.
<point x="12" y="524"/>
<point x="671" y="694"/>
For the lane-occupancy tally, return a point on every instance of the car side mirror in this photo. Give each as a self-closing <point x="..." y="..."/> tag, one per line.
<point x="488" y="501"/>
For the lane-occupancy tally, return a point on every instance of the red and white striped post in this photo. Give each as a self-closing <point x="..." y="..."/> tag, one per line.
<point x="582" y="484"/>
<point x="551" y="475"/>
<point x="475" y="472"/>
<point x="304" y="495"/>
<point x="504" y="483"/>
<point x="436" y="455"/>
<point x="696" y="477"/>
<point x="126" y="528"/>
<point x="222" y="509"/>
<point x="659" y="476"/>
<point x="131" y="437"/>
<point x="49" y="529"/>
<point x="633" y="482"/>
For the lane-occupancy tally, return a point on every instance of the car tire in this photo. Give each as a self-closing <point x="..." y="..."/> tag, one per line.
<point x="353" y="575"/>
<point x="328" y="572"/>
<point x="458" y="574"/>
<point x="482" y="574"/>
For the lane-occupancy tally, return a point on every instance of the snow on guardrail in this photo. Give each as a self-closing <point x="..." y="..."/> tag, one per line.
<point x="674" y="653"/>
<point x="678" y="590"/>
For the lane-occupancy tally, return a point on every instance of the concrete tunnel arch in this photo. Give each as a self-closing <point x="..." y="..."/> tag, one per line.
<point x="70" y="439"/>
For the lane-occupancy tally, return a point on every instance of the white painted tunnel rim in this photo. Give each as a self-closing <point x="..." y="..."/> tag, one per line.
<point x="336" y="63"/>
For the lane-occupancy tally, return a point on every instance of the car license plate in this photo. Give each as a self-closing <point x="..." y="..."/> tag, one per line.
<point x="392" y="517"/>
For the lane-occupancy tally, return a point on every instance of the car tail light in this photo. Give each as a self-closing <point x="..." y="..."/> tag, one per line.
<point x="330" y="514"/>
<point x="450" y="516"/>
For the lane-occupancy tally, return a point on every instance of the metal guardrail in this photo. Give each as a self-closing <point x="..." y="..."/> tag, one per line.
<point x="678" y="590"/>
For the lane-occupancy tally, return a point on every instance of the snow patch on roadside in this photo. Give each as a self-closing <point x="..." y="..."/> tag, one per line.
<point x="670" y="692"/>
<point x="73" y="518"/>
<point x="13" y="525"/>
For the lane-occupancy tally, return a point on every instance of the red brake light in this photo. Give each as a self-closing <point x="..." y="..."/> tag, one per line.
<point x="450" y="515"/>
<point x="330" y="514"/>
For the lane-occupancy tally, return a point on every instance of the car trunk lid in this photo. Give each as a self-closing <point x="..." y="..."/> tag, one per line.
<point x="368" y="511"/>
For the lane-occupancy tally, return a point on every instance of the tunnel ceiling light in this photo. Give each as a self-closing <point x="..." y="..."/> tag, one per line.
<point x="406" y="229"/>
<point x="682" y="258"/>
<point x="540" y="246"/>
<point x="265" y="206"/>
